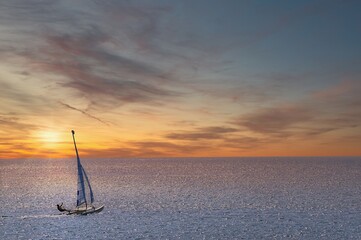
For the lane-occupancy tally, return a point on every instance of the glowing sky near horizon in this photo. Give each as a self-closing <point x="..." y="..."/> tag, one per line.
<point x="180" y="78"/>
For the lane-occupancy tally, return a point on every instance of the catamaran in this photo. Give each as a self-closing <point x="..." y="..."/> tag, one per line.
<point x="85" y="196"/>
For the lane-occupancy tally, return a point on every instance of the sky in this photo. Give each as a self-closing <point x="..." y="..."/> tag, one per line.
<point x="186" y="78"/>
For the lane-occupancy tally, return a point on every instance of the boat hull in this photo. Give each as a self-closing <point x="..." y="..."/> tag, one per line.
<point x="87" y="211"/>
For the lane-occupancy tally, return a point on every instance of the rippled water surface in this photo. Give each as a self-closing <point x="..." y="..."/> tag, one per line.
<point x="185" y="198"/>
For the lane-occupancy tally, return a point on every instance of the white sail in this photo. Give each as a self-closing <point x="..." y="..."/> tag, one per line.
<point x="85" y="194"/>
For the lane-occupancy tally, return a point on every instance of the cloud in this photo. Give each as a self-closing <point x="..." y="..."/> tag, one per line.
<point x="85" y="54"/>
<point x="106" y="79"/>
<point x="11" y="125"/>
<point x="238" y="92"/>
<point x="344" y="120"/>
<point x="145" y="149"/>
<point x="90" y="43"/>
<point x="109" y="152"/>
<point x="341" y="89"/>
<point x="31" y="11"/>
<point x="275" y="121"/>
<point x="16" y="99"/>
<point x="342" y="101"/>
<point x="84" y="112"/>
<point x="340" y="104"/>
<point x="315" y="131"/>
<point x="334" y="108"/>
<point x="202" y="133"/>
<point x="16" y="137"/>
<point x="138" y="24"/>
<point x="245" y="142"/>
<point x="168" y="147"/>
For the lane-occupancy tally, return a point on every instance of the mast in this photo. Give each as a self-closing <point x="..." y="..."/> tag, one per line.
<point x="76" y="149"/>
<point x="81" y="188"/>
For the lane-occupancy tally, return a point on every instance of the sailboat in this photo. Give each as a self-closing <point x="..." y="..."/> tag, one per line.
<point x="85" y="196"/>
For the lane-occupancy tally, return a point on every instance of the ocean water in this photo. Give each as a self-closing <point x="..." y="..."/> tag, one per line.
<point x="185" y="198"/>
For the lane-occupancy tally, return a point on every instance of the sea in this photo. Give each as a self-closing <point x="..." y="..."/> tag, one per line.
<point x="185" y="198"/>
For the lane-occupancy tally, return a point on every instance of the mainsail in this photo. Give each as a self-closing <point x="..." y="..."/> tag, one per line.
<point x="84" y="193"/>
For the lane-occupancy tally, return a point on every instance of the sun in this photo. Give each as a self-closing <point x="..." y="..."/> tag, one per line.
<point x="48" y="136"/>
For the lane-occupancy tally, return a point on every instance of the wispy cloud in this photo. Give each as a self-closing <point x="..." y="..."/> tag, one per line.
<point x="340" y="104"/>
<point x="91" y="43"/>
<point x="245" y="142"/>
<point x="202" y="133"/>
<point x="146" y="17"/>
<point x="84" y="112"/>
<point x="275" y="121"/>
<point x="169" y="148"/>
<point x="345" y="88"/>
<point x="15" y="137"/>
<point x="310" y="116"/>
<point x="84" y="53"/>
<point x="146" y="149"/>
<point x="32" y="12"/>
<point x="14" y="124"/>
<point x="80" y="59"/>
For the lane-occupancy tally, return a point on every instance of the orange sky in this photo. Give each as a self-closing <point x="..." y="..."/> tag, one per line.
<point x="155" y="79"/>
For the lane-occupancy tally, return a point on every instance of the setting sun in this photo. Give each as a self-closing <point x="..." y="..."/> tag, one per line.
<point x="48" y="137"/>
